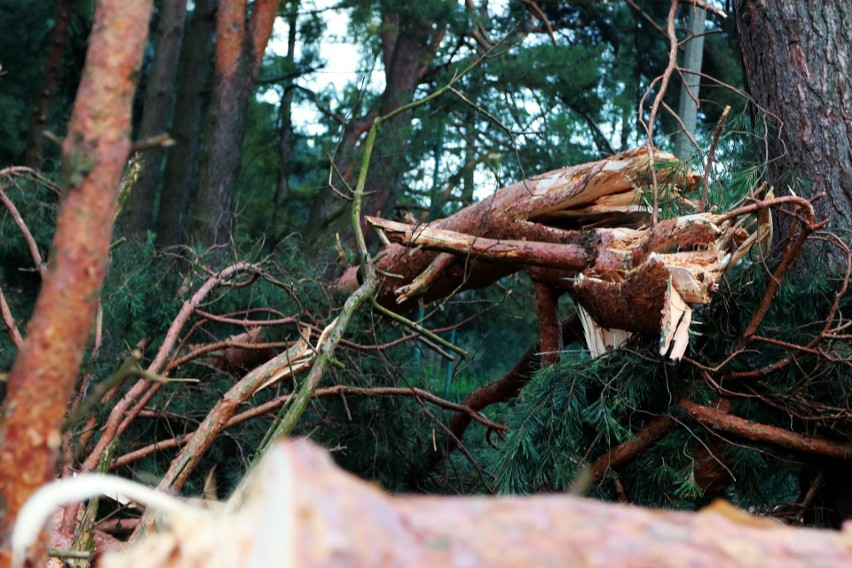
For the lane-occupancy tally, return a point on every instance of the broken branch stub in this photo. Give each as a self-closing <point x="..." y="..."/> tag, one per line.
<point x="587" y="231"/>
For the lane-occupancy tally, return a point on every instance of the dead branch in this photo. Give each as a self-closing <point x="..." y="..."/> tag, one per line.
<point x="568" y="256"/>
<point x="757" y="432"/>
<point x="629" y="449"/>
<point x="11" y="324"/>
<point x="19" y="221"/>
<point x="126" y="409"/>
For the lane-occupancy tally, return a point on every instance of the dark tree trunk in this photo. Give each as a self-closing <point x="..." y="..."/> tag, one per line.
<point x="52" y="76"/>
<point x="796" y="56"/>
<point x="405" y="48"/>
<point x="240" y="44"/>
<point x="156" y="116"/>
<point x="408" y="47"/>
<point x="181" y="171"/>
<point x="285" y="128"/>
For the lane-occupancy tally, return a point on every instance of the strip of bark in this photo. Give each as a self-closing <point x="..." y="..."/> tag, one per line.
<point x="94" y="154"/>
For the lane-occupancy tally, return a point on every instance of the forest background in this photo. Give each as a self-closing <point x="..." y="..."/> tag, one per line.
<point x="233" y="228"/>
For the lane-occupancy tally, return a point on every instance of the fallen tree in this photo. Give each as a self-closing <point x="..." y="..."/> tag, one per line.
<point x="583" y="230"/>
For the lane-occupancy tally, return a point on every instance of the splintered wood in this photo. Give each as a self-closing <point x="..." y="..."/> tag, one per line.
<point x="583" y="230"/>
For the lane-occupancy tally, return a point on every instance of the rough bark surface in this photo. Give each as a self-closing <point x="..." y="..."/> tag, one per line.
<point x="303" y="510"/>
<point x="156" y="116"/>
<point x="181" y="172"/>
<point x="408" y="46"/>
<point x="94" y="153"/>
<point x="796" y="61"/>
<point x="240" y="43"/>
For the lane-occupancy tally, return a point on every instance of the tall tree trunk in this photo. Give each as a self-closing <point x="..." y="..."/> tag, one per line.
<point x="94" y="153"/>
<point x="180" y="176"/>
<point x="156" y="116"/>
<point x="52" y="75"/>
<point x="240" y="43"/>
<point x="405" y="45"/>
<point x="688" y="106"/>
<point x="285" y="126"/>
<point x="408" y="45"/>
<point x="796" y="62"/>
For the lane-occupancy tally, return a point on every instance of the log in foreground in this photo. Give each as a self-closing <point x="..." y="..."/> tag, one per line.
<point x="302" y="511"/>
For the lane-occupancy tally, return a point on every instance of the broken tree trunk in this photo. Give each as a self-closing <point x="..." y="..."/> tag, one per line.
<point x="303" y="511"/>
<point x="582" y="230"/>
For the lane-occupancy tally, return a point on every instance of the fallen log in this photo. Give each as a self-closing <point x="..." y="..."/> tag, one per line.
<point x="303" y="511"/>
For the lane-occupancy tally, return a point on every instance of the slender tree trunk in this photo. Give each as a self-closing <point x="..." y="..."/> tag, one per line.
<point x="405" y="49"/>
<point x="285" y="127"/>
<point x="179" y="179"/>
<point x="796" y="62"/>
<point x="52" y="75"/>
<point x="94" y="153"/>
<point x="156" y="116"/>
<point x="689" y="91"/>
<point x="240" y="44"/>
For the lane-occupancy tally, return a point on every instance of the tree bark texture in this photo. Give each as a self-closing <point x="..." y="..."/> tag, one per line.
<point x="50" y="86"/>
<point x="156" y="116"/>
<point x="796" y="61"/>
<point x="304" y="511"/>
<point x="181" y="172"/>
<point x="94" y="153"/>
<point x="240" y="43"/>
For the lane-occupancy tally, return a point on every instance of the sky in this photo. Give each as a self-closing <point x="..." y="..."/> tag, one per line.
<point x="342" y="61"/>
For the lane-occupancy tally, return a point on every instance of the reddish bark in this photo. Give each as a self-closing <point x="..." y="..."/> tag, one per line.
<point x="156" y="115"/>
<point x="617" y="456"/>
<point x="42" y="379"/>
<point x="240" y="44"/>
<point x="758" y="432"/>
<point x="547" y="315"/>
<point x="52" y="76"/>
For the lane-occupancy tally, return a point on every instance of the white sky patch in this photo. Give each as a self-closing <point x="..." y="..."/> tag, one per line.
<point x="342" y="59"/>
